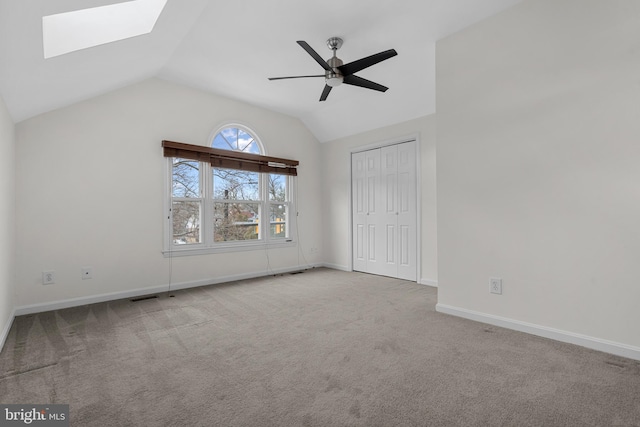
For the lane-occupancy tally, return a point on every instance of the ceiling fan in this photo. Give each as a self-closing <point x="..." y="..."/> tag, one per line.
<point x="337" y="73"/>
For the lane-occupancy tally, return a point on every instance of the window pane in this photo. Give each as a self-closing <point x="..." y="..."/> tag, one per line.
<point x="278" y="221"/>
<point x="186" y="178"/>
<point x="236" y="221"/>
<point x="186" y="223"/>
<point x="230" y="184"/>
<point x="277" y="187"/>
<point x="219" y="141"/>
<point x="235" y="139"/>
<point x="246" y="143"/>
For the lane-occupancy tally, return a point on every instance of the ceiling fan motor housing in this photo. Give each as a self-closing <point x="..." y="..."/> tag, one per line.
<point x="334" y="77"/>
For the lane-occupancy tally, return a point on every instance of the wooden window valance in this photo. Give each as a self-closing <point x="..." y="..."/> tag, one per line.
<point x="230" y="159"/>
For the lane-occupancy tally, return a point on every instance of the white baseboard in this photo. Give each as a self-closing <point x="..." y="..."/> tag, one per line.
<point x="611" y="347"/>
<point x="235" y="277"/>
<point x="92" y="299"/>
<point x="336" y="267"/>
<point x="74" y="302"/>
<point x="428" y="282"/>
<point x="5" y="332"/>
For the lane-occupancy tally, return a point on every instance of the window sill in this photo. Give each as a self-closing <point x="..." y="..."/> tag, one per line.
<point x="228" y="247"/>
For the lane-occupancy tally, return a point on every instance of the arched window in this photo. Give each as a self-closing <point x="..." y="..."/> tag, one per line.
<point x="221" y="201"/>
<point x="237" y="139"/>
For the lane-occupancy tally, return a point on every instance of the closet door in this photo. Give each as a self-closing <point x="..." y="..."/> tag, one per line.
<point x="365" y="188"/>
<point x="407" y="210"/>
<point x="359" y="210"/>
<point x="387" y="220"/>
<point x="384" y="211"/>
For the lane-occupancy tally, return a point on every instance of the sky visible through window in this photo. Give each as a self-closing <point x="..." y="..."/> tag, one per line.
<point x="236" y="139"/>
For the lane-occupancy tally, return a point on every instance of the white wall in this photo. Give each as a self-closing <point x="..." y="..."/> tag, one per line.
<point x="538" y="167"/>
<point x="336" y="158"/>
<point x="7" y="221"/>
<point x="90" y="191"/>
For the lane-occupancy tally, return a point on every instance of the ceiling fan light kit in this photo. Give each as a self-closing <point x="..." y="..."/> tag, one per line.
<point x="336" y="72"/>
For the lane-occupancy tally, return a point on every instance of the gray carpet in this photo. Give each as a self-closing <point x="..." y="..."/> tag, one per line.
<point x="319" y="348"/>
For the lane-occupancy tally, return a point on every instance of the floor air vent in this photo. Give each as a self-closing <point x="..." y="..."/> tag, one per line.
<point x="143" y="298"/>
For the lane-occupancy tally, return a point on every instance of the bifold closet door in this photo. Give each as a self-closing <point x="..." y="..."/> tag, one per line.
<point x="385" y="211"/>
<point x="406" y="211"/>
<point x="364" y="181"/>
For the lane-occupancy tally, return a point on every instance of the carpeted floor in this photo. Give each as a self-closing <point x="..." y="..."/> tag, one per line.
<point x="319" y="348"/>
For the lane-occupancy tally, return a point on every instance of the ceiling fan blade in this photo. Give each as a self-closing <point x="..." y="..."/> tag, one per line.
<point x="361" y="64"/>
<point x="295" y="77"/>
<point x="359" y="81"/>
<point x="314" y="54"/>
<point x="325" y="93"/>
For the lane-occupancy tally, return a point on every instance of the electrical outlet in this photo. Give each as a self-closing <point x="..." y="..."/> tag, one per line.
<point x="87" y="273"/>
<point x="48" y="277"/>
<point x="495" y="285"/>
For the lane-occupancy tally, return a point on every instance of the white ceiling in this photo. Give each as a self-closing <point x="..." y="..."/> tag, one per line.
<point x="230" y="48"/>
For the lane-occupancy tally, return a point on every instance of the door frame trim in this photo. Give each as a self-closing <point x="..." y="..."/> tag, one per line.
<point x="385" y="143"/>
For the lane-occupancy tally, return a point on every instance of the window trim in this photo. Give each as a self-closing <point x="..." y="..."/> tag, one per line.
<point x="274" y="165"/>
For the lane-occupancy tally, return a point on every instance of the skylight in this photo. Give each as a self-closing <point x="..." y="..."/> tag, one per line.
<point x="67" y="32"/>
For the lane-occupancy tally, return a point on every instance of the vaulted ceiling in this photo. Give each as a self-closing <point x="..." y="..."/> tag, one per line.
<point x="230" y="48"/>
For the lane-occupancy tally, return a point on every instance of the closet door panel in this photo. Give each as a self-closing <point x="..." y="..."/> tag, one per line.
<point x="359" y="208"/>
<point x="407" y="211"/>
<point x="389" y="207"/>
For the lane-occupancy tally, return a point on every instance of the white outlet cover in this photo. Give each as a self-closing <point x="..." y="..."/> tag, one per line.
<point x="495" y="285"/>
<point x="48" y="277"/>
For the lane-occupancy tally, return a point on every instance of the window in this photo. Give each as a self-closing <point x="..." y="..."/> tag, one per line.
<point x="80" y="29"/>
<point x="229" y="196"/>
<point x="186" y="203"/>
